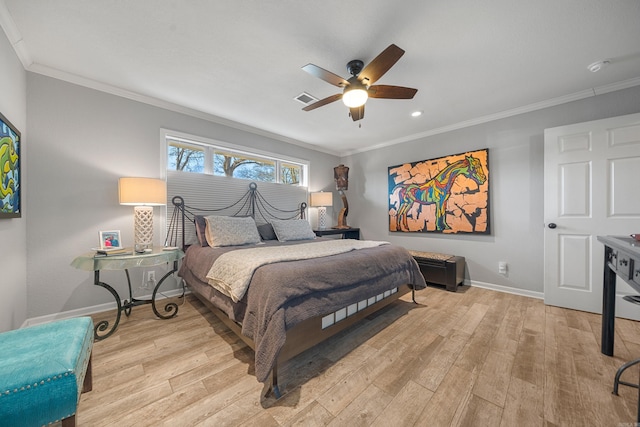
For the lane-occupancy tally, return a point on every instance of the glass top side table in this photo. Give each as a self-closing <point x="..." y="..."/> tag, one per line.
<point x="92" y="262"/>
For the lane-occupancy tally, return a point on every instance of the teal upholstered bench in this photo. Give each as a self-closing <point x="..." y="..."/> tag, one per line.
<point x="43" y="370"/>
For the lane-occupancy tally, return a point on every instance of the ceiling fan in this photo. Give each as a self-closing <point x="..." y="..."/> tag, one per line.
<point x="360" y="86"/>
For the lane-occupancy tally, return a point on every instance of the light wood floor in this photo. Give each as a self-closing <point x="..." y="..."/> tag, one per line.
<point x="471" y="358"/>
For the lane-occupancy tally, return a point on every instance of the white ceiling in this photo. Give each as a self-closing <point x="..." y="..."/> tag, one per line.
<point x="240" y="62"/>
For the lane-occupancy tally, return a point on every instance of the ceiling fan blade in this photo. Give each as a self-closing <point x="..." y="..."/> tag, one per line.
<point x="325" y="75"/>
<point x="325" y="101"/>
<point x="380" y="64"/>
<point x="357" y="113"/>
<point x="391" y="92"/>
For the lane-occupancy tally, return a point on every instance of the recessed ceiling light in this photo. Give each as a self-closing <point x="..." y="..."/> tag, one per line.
<point x="597" y="66"/>
<point x="416" y="114"/>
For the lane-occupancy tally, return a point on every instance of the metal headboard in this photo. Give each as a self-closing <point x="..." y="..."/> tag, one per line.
<point x="252" y="204"/>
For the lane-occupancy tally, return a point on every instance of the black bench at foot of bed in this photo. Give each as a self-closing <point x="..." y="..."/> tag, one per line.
<point x="441" y="269"/>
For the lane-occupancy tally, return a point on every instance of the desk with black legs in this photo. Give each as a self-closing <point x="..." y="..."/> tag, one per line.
<point x="621" y="258"/>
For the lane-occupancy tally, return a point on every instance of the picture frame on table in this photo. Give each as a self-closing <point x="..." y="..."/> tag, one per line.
<point x="110" y="240"/>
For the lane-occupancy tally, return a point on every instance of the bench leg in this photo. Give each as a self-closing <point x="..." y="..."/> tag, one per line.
<point x="87" y="385"/>
<point x="69" y="422"/>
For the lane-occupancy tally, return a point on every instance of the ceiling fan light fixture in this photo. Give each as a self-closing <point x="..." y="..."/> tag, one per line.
<point x="355" y="90"/>
<point x="354" y="97"/>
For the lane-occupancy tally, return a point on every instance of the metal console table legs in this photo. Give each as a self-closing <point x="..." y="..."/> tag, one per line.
<point x="171" y="308"/>
<point x="157" y="256"/>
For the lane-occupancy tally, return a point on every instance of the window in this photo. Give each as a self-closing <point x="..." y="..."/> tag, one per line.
<point x="230" y="163"/>
<point x="185" y="157"/>
<point x="197" y="155"/>
<point x="290" y="173"/>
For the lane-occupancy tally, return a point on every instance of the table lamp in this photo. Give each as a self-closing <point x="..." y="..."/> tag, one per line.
<point x="143" y="193"/>
<point x="321" y="200"/>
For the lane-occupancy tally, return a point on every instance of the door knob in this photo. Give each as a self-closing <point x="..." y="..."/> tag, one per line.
<point x="552" y="225"/>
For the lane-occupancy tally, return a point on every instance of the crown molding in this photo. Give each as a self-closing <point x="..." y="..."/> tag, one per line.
<point x="103" y="87"/>
<point x="156" y="102"/>
<point x="508" y="113"/>
<point x="14" y="36"/>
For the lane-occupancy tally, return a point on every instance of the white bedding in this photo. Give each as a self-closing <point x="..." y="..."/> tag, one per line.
<point x="232" y="271"/>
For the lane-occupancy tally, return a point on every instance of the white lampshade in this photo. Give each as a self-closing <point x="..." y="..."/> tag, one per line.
<point x="321" y="199"/>
<point x="142" y="191"/>
<point x="356" y="97"/>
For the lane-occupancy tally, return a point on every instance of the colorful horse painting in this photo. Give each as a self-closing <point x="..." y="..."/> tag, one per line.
<point x="436" y="191"/>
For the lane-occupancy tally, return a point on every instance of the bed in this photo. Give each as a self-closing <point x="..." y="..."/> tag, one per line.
<point x="281" y="293"/>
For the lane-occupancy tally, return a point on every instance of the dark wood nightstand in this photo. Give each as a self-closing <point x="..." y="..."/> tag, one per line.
<point x="347" y="233"/>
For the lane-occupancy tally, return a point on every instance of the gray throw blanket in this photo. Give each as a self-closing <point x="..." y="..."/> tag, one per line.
<point x="283" y="294"/>
<point x="232" y="271"/>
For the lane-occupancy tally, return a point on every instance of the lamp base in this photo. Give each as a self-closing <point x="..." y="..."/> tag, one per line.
<point x="143" y="227"/>
<point x="322" y="218"/>
<point x="342" y="216"/>
<point x="342" y="220"/>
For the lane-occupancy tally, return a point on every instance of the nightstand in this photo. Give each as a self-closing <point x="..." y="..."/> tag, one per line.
<point x="347" y="233"/>
<point x="92" y="262"/>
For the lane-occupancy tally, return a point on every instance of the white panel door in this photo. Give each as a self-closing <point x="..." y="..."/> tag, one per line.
<point x="591" y="188"/>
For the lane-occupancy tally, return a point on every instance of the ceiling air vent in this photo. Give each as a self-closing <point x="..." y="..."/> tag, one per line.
<point x="305" y="98"/>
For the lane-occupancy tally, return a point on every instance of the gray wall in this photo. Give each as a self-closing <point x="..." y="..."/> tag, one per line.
<point x="13" y="245"/>
<point x="80" y="142"/>
<point x="516" y="189"/>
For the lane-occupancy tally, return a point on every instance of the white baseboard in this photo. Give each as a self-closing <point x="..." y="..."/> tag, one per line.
<point x="87" y="311"/>
<point x="505" y="289"/>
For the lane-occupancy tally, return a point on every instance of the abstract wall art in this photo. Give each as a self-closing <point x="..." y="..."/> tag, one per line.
<point x="10" y="182"/>
<point x="444" y="195"/>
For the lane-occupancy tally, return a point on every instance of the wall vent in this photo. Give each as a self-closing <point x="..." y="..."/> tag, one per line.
<point x="305" y="98"/>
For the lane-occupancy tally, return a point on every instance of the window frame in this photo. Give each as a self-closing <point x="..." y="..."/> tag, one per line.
<point x="211" y="145"/>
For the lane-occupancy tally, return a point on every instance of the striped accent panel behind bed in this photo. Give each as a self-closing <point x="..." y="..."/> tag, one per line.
<point x="214" y="192"/>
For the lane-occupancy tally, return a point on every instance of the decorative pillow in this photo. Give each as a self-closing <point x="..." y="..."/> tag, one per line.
<point x="293" y="229"/>
<point x="266" y="232"/>
<point x="231" y="231"/>
<point x="201" y="226"/>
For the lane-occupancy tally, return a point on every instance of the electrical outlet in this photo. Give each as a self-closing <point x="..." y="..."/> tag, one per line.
<point x="502" y="267"/>
<point x="151" y="276"/>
